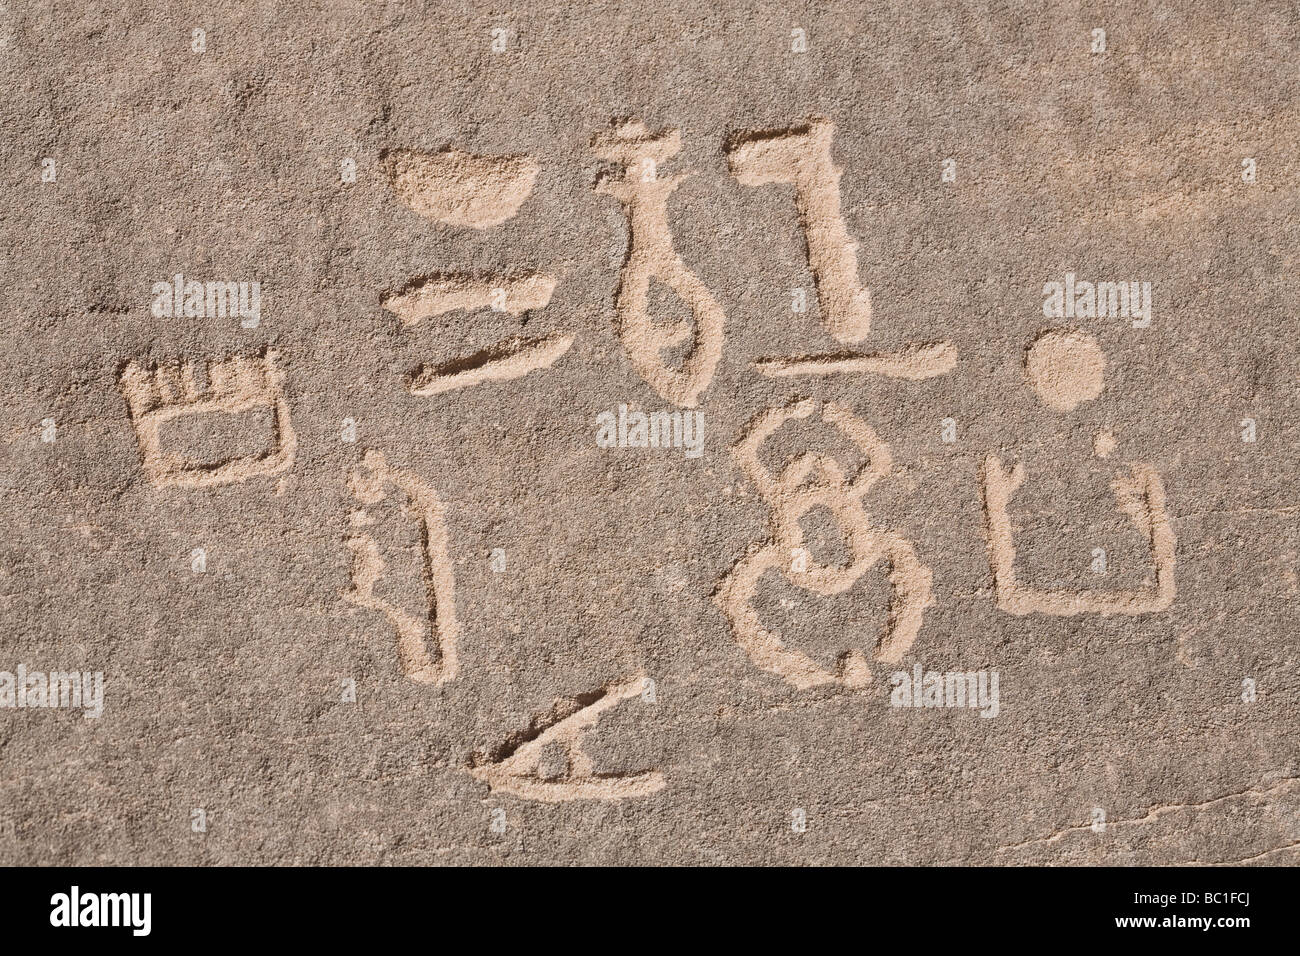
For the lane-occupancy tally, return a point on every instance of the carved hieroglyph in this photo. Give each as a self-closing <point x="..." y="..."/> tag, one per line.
<point x="426" y="638"/>
<point x="644" y="195"/>
<point x="157" y="396"/>
<point x="1141" y="496"/>
<point x="1066" y="368"/>
<point x="519" y="766"/>
<point x="804" y="483"/>
<point x="502" y="362"/>
<point x="801" y="156"/>
<point x="461" y="189"/>
<point x="917" y="363"/>
<point x="456" y="293"/>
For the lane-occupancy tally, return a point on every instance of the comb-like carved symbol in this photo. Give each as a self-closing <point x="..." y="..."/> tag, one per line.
<point x="239" y="384"/>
